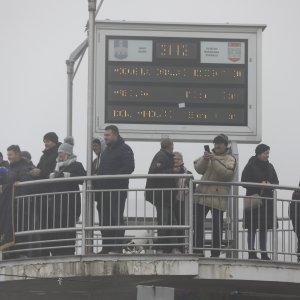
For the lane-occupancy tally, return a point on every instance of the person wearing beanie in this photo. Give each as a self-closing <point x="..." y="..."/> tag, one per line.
<point x="45" y="166"/>
<point x="65" y="208"/>
<point x="259" y="214"/>
<point x="51" y="136"/>
<point x="216" y="165"/>
<point x="47" y="161"/>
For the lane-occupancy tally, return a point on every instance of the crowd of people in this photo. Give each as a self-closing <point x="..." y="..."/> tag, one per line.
<point x="115" y="157"/>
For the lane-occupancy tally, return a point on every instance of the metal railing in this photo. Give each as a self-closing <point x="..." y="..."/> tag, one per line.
<point x="175" y="220"/>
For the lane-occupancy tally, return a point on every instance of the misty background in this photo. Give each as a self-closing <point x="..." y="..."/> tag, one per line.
<point x="37" y="37"/>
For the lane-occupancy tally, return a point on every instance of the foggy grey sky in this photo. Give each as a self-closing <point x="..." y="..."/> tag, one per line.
<point x="37" y="36"/>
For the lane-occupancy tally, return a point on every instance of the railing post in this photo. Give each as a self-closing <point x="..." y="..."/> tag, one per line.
<point x="275" y="233"/>
<point x="234" y="204"/>
<point x="191" y="230"/>
<point x="90" y="111"/>
<point x="83" y="231"/>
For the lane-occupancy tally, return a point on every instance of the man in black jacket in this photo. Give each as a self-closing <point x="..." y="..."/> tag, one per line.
<point x="44" y="168"/>
<point x="163" y="200"/>
<point x="47" y="161"/>
<point x="116" y="159"/>
<point x="19" y="170"/>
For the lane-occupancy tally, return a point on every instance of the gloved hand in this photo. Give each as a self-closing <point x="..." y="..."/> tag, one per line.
<point x="58" y="174"/>
<point x="3" y="171"/>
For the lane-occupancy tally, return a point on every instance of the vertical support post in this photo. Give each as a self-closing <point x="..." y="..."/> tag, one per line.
<point x="191" y="229"/>
<point x="234" y="208"/>
<point x="83" y="231"/>
<point x="275" y="233"/>
<point x="90" y="111"/>
<point x="70" y="72"/>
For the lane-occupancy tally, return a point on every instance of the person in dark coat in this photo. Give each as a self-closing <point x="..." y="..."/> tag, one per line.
<point x="181" y="196"/>
<point x="98" y="148"/>
<point x="295" y="217"/>
<point x="164" y="201"/>
<point x="43" y="169"/>
<point x="47" y="161"/>
<point x="27" y="156"/>
<point x="65" y="208"/>
<point x="259" y="170"/>
<point x="19" y="170"/>
<point x="116" y="159"/>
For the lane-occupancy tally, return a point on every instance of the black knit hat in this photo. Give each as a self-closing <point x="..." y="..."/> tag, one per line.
<point x="51" y="136"/>
<point x="261" y="148"/>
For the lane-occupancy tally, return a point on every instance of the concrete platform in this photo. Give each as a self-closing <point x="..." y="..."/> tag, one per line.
<point x="117" y="277"/>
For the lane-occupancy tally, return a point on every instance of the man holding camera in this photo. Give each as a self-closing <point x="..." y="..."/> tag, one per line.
<point x="216" y="165"/>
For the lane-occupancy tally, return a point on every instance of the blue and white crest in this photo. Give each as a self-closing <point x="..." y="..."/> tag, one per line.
<point x="121" y="49"/>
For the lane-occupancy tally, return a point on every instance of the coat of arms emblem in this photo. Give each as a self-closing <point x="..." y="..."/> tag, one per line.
<point x="234" y="51"/>
<point x="120" y="49"/>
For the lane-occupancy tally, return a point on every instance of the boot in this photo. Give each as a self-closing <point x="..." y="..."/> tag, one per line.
<point x="264" y="256"/>
<point x="252" y="255"/>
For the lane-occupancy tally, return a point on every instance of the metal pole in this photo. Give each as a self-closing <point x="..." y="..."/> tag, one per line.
<point x="191" y="230"/>
<point x="275" y="236"/>
<point x="90" y="111"/>
<point x="70" y="72"/>
<point x="234" y="210"/>
<point x="78" y="52"/>
<point x="83" y="232"/>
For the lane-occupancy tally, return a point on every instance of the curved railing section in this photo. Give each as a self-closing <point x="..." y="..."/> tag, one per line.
<point x="49" y="219"/>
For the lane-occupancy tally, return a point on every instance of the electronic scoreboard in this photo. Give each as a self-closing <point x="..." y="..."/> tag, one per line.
<point x="186" y="81"/>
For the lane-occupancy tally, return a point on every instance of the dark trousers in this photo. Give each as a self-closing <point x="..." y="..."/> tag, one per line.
<point x="165" y="208"/>
<point x="262" y="238"/>
<point x="298" y="248"/>
<point x="61" y="213"/>
<point x="25" y="220"/>
<point x="180" y="213"/>
<point x="200" y="212"/>
<point x="110" y="206"/>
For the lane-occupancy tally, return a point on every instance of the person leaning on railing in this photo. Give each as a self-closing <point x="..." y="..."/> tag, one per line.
<point x="19" y="170"/>
<point x="159" y="192"/>
<point x="218" y="165"/>
<point x="259" y="214"/>
<point x="116" y="159"/>
<point x="295" y="217"/>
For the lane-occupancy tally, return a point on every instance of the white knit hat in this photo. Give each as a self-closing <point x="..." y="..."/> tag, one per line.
<point x="67" y="145"/>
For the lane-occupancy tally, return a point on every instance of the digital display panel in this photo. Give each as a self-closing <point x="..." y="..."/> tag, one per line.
<point x="187" y="81"/>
